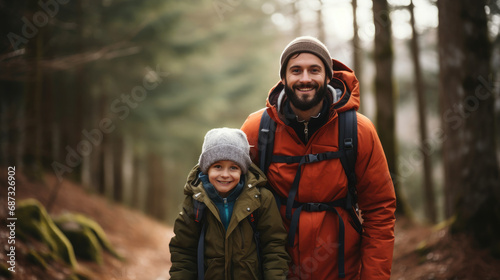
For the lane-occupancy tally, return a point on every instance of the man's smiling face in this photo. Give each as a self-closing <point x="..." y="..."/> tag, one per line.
<point x="304" y="81"/>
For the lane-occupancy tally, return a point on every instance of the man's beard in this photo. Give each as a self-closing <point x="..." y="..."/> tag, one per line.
<point x="305" y="105"/>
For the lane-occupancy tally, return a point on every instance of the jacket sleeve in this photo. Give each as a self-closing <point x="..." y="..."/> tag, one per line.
<point x="377" y="202"/>
<point x="184" y="244"/>
<point x="275" y="258"/>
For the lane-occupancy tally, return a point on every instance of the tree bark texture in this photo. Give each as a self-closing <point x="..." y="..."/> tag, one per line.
<point x="384" y="93"/>
<point x="471" y="167"/>
<point x="156" y="191"/>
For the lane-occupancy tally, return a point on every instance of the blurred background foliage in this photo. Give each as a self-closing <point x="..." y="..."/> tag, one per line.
<point x="118" y="94"/>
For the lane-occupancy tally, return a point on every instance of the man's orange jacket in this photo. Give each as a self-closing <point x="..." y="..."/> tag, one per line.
<point x="314" y="254"/>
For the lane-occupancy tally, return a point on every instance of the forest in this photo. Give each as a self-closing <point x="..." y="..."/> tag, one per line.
<point x="114" y="97"/>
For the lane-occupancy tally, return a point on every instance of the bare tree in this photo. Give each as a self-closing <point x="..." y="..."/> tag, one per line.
<point x="321" y="23"/>
<point x="296" y="17"/>
<point x="428" y="185"/>
<point x="384" y="93"/>
<point x="356" y="48"/>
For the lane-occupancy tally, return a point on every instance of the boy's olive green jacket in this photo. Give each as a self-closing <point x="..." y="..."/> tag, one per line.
<point x="230" y="254"/>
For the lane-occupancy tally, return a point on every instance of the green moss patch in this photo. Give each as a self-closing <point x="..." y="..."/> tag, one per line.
<point x="86" y="236"/>
<point x="33" y="220"/>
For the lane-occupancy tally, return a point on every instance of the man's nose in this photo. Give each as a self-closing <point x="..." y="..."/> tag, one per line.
<point x="305" y="77"/>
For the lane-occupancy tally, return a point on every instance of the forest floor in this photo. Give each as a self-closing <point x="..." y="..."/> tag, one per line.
<point x="421" y="252"/>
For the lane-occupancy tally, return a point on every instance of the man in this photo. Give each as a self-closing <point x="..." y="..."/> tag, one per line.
<point x="326" y="239"/>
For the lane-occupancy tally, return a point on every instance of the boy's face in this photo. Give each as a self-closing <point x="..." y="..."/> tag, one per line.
<point x="224" y="175"/>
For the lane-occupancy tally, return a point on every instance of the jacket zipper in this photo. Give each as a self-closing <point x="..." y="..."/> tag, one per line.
<point x="306" y="131"/>
<point x="226" y="210"/>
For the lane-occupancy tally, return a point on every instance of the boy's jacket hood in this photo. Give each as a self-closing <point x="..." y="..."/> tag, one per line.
<point x="343" y="79"/>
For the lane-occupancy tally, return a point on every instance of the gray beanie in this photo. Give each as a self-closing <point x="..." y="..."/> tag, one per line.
<point x="225" y="144"/>
<point x="310" y="45"/>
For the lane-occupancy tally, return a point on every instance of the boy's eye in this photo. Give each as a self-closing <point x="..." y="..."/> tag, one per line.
<point x="235" y="167"/>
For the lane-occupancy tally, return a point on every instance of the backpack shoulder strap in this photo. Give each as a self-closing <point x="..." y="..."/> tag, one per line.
<point x="198" y="210"/>
<point x="348" y="142"/>
<point x="199" y="213"/>
<point x="265" y="144"/>
<point x="252" y="219"/>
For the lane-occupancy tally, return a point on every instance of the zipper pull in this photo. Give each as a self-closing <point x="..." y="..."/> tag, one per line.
<point x="306" y="131"/>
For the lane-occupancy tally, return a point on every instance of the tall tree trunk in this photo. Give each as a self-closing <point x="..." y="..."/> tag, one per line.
<point x="20" y="148"/>
<point x="156" y="203"/>
<point x="451" y="94"/>
<point x="321" y="23"/>
<point x="108" y="167"/>
<point x="5" y="157"/>
<point x="141" y="183"/>
<point x="83" y="101"/>
<point x="471" y="167"/>
<point x="296" y="17"/>
<point x="384" y="93"/>
<point x="33" y="110"/>
<point x="117" y="167"/>
<point x="428" y="185"/>
<point x="127" y="169"/>
<point x="55" y="135"/>
<point x="356" y="49"/>
<point x="103" y="168"/>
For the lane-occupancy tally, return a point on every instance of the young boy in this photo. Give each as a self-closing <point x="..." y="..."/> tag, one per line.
<point x="232" y="189"/>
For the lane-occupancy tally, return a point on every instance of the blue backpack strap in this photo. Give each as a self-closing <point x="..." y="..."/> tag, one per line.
<point x="252" y="219"/>
<point x="201" y="253"/>
<point x="348" y="142"/>
<point x="199" y="213"/>
<point x="265" y="144"/>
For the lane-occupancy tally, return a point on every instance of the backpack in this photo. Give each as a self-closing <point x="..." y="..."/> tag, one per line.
<point x="199" y="213"/>
<point x="348" y="140"/>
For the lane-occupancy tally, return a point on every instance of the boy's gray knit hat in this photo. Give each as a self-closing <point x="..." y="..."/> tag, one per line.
<point x="225" y="144"/>
<point x="306" y="44"/>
